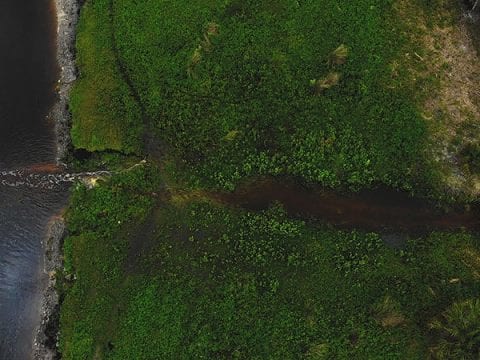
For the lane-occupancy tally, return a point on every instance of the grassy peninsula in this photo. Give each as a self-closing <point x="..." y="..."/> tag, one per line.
<point x="345" y="95"/>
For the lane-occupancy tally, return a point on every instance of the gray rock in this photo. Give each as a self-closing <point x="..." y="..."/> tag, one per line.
<point x="46" y="336"/>
<point x="67" y="19"/>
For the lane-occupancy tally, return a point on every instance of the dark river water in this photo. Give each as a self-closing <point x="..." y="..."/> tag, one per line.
<point x="28" y="74"/>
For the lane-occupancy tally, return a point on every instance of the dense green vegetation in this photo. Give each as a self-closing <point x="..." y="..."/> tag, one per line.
<point x="315" y="89"/>
<point x="95" y="250"/>
<point x="241" y="88"/>
<point x="105" y="116"/>
<point x="199" y="281"/>
<point x="459" y="331"/>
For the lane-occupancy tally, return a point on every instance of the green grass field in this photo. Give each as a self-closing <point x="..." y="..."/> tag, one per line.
<point x="231" y="90"/>
<point x="105" y="116"/>
<point x="235" y="89"/>
<point x="194" y="280"/>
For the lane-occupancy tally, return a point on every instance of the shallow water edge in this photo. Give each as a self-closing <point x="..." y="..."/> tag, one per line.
<point x="46" y="335"/>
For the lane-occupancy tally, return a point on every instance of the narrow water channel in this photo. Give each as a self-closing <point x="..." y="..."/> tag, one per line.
<point x="28" y="75"/>
<point x="381" y="210"/>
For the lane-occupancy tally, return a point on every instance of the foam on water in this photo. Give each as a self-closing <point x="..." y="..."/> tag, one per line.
<point x="28" y="76"/>
<point x="21" y="178"/>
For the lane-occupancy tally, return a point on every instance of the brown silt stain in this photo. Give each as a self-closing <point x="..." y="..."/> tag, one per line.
<point x="44" y="168"/>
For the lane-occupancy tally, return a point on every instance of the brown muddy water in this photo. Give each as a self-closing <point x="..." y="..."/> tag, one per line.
<point x="380" y="210"/>
<point x="28" y="75"/>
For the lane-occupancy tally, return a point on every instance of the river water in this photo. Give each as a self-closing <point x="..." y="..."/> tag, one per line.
<point x="28" y="75"/>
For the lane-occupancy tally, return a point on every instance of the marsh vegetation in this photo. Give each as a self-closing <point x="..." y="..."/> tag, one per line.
<point x="330" y="94"/>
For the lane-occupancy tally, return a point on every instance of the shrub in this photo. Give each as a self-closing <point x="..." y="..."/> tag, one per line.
<point x="458" y="329"/>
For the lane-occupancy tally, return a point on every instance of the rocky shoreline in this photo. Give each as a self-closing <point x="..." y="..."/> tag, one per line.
<point x="46" y="336"/>
<point x="67" y="12"/>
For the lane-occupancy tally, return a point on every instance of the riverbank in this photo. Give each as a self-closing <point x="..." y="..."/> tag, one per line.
<point x="46" y="337"/>
<point x="67" y="18"/>
<point x="45" y="340"/>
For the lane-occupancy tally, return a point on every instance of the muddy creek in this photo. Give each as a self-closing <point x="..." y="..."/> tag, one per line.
<point x="380" y="210"/>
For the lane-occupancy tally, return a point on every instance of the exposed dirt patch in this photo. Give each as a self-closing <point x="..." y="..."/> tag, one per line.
<point x="457" y="64"/>
<point x="455" y="108"/>
<point x="449" y="65"/>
